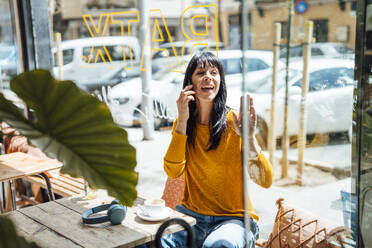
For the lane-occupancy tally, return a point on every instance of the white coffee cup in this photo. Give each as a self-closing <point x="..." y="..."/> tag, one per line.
<point x="155" y="207"/>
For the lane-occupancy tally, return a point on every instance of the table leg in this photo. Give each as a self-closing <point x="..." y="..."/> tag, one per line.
<point x="49" y="186"/>
<point x="12" y="194"/>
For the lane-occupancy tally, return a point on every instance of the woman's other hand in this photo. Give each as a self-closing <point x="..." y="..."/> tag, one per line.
<point x="254" y="147"/>
<point x="183" y="100"/>
<point x="252" y="119"/>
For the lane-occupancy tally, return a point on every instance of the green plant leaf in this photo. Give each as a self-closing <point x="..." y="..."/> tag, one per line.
<point x="77" y="129"/>
<point x="9" y="237"/>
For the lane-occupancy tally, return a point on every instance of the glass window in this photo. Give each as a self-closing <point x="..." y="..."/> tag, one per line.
<point x="295" y="51"/>
<point x="329" y="79"/>
<point x="232" y="66"/>
<point x="320" y="31"/>
<point x="284" y="30"/>
<point x="255" y="65"/>
<point x="316" y="51"/>
<point x="115" y="52"/>
<point x="68" y="56"/>
<point x="9" y="53"/>
<point x="329" y="119"/>
<point x="343" y="49"/>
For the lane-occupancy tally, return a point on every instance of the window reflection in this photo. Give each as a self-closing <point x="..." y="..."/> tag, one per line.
<point x="329" y="100"/>
<point x="9" y="54"/>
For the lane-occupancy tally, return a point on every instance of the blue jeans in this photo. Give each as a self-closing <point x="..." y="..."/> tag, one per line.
<point x="214" y="231"/>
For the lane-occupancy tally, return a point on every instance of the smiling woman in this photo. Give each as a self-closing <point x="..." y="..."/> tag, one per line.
<point x="206" y="149"/>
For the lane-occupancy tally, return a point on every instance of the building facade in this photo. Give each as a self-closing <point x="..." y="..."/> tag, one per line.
<point x="338" y="27"/>
<point x="69" y="19"/>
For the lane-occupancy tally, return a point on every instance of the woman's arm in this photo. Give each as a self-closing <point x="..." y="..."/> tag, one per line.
<point x="260" y="169"/>
<point x="175" y="158"/>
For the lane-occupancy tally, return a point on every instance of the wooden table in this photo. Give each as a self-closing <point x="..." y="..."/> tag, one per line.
<point x="59" y="224"/>
<point x="18" y="165"/>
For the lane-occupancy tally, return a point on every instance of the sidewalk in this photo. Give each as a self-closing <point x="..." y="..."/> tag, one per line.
<point x="323" y="200"/>
<point x="330" y="158"/>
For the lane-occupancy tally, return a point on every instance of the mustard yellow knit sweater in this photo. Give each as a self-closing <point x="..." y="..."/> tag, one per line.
<point x="213" y="179"/>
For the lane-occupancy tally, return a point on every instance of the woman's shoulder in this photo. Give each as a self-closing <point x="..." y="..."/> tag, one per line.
<point x="229" y="117"/>
<point x="230" y="111"/>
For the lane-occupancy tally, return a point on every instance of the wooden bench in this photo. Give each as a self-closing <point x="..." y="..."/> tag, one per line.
<point x="63" y="185"/>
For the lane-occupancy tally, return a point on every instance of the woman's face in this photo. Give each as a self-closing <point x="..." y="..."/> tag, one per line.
<point x="206" y="82"/>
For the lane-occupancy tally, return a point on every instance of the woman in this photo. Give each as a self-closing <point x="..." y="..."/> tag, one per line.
<point x="206" y="147"/>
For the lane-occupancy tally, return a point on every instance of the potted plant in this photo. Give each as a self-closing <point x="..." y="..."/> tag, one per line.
<point x="75" y="128"/>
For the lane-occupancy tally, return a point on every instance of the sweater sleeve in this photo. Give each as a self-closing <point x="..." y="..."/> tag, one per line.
<point x="175" y="158"/>
<point x="261" y="171"/>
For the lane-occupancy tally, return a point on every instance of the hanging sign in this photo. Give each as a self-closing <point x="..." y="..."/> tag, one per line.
<point x="301" y="6"/>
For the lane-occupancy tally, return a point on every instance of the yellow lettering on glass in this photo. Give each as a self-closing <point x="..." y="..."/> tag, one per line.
<point x="97" y="32"/>
<point x="156" y="27"/>
<point x="160" y="33"/>
<point x="188" y="38"/>
<point x="205" y="21"/>
<point x="136" y="12"/>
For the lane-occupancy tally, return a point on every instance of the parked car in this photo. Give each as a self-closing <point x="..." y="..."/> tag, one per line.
<point x="160" y="60"/>
<point x="84" y="64"/>
<point x="165" y="86"/>
<point x="111" y="78"/>
<point x="329" y="100"/>
<point x="258" y="67"/>
<point x="324" y="49"/>
<point x="126" y="99"/>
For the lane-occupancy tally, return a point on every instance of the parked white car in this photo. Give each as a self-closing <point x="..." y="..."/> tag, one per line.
<point x="329" y="99"/>
<point x="259" y="66"/>
<point x="323" y="49"/>
<point x="126" y="99"/>
<point x="77" y="53"/>
<point x="165" y="87"/>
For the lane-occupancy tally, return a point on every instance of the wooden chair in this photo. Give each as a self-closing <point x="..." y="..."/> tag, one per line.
<point x="62" y="184"/>
<point x="173" y="193"/>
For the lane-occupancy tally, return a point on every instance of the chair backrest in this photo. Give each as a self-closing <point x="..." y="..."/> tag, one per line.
<point x="173" y="191"/>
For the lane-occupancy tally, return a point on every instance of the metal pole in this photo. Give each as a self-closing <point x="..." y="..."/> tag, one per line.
<point x="285" y="141"/>
<point x="51" y="14"/>
<point x="59" y="56"/>
<point x="272" y="138"/>
<point x="220" y="38"/>
<point x="2" y="202"/>
<point x="146" y="106"/>
<point x="246" y="4"/>
<point x="305" y="87"/>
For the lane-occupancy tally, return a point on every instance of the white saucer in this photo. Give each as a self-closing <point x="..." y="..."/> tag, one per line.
<point x="166" y="213"/>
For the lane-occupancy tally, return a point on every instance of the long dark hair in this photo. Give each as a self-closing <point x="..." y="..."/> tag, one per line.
<point x="217" y="121"/>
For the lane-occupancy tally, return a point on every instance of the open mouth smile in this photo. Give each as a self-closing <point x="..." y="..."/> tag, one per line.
<point x="210" y="87"/>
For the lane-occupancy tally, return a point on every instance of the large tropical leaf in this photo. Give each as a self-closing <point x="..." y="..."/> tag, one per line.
<point x="77" y="129"/>
<point x="9" y="237"/>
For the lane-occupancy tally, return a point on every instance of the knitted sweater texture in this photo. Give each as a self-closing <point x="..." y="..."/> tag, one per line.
<point x="213" y="179"/>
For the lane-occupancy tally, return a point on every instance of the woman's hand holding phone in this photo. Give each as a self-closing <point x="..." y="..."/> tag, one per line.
<point x="183" y="100"/>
